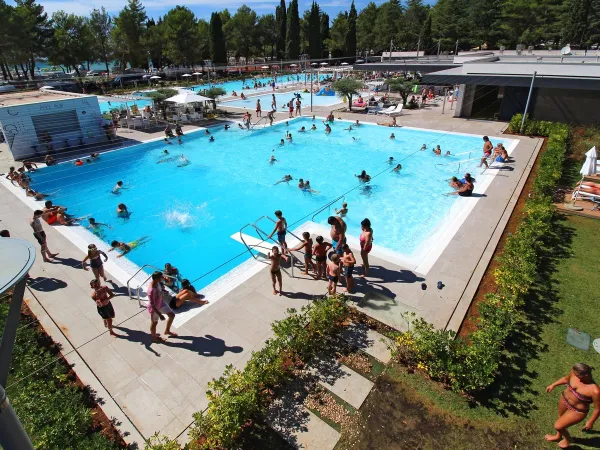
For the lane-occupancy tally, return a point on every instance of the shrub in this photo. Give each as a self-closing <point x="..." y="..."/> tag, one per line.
<point x="472" y="365"/>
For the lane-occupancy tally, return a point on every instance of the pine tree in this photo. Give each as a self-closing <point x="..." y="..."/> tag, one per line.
<point x="414" y="20"/>
<point x="130" y="30"/>
<point x="366" y="33"/>
<point x="426" y="41"/>
<point x="292" y="45"/>
<point x="217" y="40"/>
<point x="351" y="35"/>
<point x="281" y="18"/>
<point x="324" y="33"/>
<point x="314" y="34"/>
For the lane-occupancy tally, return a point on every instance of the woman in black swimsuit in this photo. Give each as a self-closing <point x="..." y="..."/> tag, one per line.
<point x="574" y="404"/>
<point x="94" y="255"/>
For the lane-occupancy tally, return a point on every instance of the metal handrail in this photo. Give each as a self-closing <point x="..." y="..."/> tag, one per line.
<point x="143" y="282"/>
<point x="259" y="120"/>
<point x="261" y="232"/>
<point x="328" y="205"/>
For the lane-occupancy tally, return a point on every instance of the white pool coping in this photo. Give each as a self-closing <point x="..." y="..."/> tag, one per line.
<point x="420" y="261"/>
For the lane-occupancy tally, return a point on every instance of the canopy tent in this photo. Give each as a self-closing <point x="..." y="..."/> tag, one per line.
<point x="155" y="77"/>
<point x="264" y="67"/>
<point x="186" y="75"/>
<point x="344" y="64"/>
<point x="46" y="87"/>
<point x="185" y="97"/>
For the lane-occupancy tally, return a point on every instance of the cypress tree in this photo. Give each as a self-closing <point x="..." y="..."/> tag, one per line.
<point x="350" y="41"/>
<point x="314" y="35"/>
<point x="217" y="40"/>
<point x="292" y="47"/>
<point x="324" y="33"/>
<point x="426" y="40"/>
<point x="281" y="19"/>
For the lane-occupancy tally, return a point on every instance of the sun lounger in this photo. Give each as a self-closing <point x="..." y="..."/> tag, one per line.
<point x="578" y="194"/>
<point x="397" y="111"/>
<point x="389" y="110"/>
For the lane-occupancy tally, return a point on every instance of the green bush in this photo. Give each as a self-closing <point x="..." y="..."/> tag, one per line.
<point x="238" y="395"/>
<point x="471" y="365"/>
<point x="51" y="408"/>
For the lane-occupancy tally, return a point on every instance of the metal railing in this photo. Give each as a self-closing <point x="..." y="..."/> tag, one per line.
<point x="137" y="290"/>
<point x="259" y="121"/>
<point x="328" y="206"/>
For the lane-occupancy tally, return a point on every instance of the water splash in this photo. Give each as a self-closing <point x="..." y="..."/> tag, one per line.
<point x="186" y="215"/>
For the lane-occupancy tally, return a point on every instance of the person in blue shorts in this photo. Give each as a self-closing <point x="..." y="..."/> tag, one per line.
<point x="281" y="230"/>
<point x="337" y="233"/>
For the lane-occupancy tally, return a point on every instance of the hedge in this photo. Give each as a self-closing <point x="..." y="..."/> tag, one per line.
<point x="472" y="364"/>
<point x="51" y="408"/>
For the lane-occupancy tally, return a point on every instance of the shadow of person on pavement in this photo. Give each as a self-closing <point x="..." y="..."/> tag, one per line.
<point x="45" y="284"/>
<point x="71" y="262"/>
<point x="393" y="276"/>
<point x="136" y="336"/>
<point x="203" y="345"/>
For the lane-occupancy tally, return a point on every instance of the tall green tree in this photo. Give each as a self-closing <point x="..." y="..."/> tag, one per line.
<point x="579" y="20"/>
<point x="414" y="18"/>
<point x="350" y="41"/>
<point x="101" y="26"/>
<point x="203" y="39"/>
<point x="71" y="44"/>
<point x="518" y="16"/>
<point x="366" y="33"/>
<point x="155" y="42"/>
<point x="7" y="44"/>
<point x="304" y="32"/>
<point x="324" y="33"/>
<point x="180" y="30"/>
<point x="32" y="33"/>
<point x="267" y="34"/>
<point x="485" y="19"/>
<point x="449" y="24"/>
<point x="337" y="35"/>
<point x="426" y="39"/>
<point x="314" y="32"/>
<point x="217" y="40"/>
<point x="281" y="18"/>
<point x="347" y="87"/>
<point x="241" y="31"/>
<point x="129" y="33"/>
<point x="292" y="44"/>
<point x="389" y="18"/>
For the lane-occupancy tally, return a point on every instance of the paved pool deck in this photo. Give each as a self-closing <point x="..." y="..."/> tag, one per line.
<point x="152" y="388"/>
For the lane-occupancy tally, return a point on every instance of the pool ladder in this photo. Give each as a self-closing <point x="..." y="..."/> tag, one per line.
<point x="264" y="238"/>
<point x="137" y="290"/>
<point x="259" y="121"/>
<point x="328" y="206"/>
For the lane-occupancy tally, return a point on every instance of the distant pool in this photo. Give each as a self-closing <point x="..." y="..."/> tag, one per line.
<point x="109" y="105"/>
<point x="282" y="99"/>
<point x="191" y="212"/>
<point x="240" y="85"/>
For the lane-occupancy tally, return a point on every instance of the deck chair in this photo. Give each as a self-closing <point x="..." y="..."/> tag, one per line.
<point x="389" y="110"/>
<point x="397" y="111"/>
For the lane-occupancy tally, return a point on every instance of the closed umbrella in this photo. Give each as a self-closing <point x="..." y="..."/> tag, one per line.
<point x="591" y="159"/>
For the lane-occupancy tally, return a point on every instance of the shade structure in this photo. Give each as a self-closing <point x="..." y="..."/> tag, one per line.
<point x="293" y="65"/>
<point x="185" y="97"/>
<point x="155" y="77"/>
<point x="344" y="64"/>
<point x="589" y="166"/>
<point x="196" y="73"/>
<point x="324" y="64"/>
<point x="264" y="67"/>
<point x="186" y="75"/>
<point x="314" y="64"/>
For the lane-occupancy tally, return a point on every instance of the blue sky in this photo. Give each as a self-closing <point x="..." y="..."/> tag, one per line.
<point x="202" y="8"/>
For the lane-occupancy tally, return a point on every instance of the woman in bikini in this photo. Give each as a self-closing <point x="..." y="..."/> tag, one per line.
<point x="366" y="244"/>
<point x="574" y="404"/>
<point x="275" y="258"/>
<point x="187" y="293"/>
<point x="95" y="257"/>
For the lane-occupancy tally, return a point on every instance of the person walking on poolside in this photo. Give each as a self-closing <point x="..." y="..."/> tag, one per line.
<point x="306" y="246"/>
<point x="258" y="108"/>
<point x="40" y="235"/>
<point x="281" y="230"/>
<point x="366" y="244"/>
<point x="348" y="261"/>
<point x="273" y="103"/>
<point x="333" y="273"/>
<point x="158" y="309"/>
<point x="95" y="257"/>
<point x="337" y="233"/>
<point x="487" y="151"/>
<point x="102" y="296"/>
<point x="575" y="403"/>
<point x="275" y="258"/>
<point x="298" y="107"/>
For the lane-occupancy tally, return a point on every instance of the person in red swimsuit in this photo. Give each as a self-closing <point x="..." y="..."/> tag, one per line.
<point x="366" y="244"/>
<point x="574" y="404"/>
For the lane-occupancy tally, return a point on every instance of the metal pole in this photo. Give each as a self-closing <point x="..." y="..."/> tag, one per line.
<point x="12" y="434"/>
<point x="439" y="46"/>
<point x="390" y="60"/>
<point x="10" y="330"/>
<point x="418" y="47"/>
<point x="311" y="87"/>
<point x="456" y="48"/>
<point x="527" y="104"/>
<point x="445" y="94"/>
<point x="453" y="97"/>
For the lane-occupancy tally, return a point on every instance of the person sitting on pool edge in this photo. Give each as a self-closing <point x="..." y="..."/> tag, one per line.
<point x="168" y="132"/>
<point x="466" y="190"/>
<point x="187" y="293"/>
<point x="178" y="130"/>
<point x="171" y="277"/>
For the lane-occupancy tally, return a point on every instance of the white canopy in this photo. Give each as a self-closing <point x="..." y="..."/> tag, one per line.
<point x="344" y="64"/>
<point x="185" y="97"/>
<point x="186" y="75"/>
<point x="47" y="87"/>
<point x="293" y="65"/>
<point x="589" y="166"/>
<point x="323" y="63"/>
<point x="264" y="67"/>
<point x="196" y="73"/>
<point x="155" y="77"/>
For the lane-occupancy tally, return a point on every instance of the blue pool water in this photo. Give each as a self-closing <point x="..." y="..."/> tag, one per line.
<point x="282" y="99"/>
<point x="107" y="106"/>
<point x="238" y="85"/>
<point x="190" y="212"/>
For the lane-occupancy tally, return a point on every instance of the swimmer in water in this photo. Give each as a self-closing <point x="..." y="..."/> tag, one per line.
<point x="183" y="161"/>
<point x="302" y="130"/>
<point x="96" y="227"/>
<point x="127" y="247"/>
<point x="179" y="141"/>
<point x="391" y="160"/>
<point x="206" y="132"/>
<point x="363" y="177"/>
<point x="281" y="143"/>
<point x="285" y="179"/>
<point x="349" y="128"/>
<point x="240" y="126"/>
<point x="314" y="127"/>
<point x="397" y="169"/>
<point x="122" y="211"/>
<point x="343" y="210"/>
<point x="357" y="124"/>
<point x="301" y="184"/>
<point x="227" y="127"/>
<point x="165" y="151"/>
<point x="423" y="147"/>
<point x="447" y="153"/>
<point x="437" y="151"/>
<point x="117" y="188"/>
<point x="212" y="139"/>
<point x="308" y="188"/>
<point x="289" y="137"/>
<point x="272" y="160"/>
<point x="392" y="136"/>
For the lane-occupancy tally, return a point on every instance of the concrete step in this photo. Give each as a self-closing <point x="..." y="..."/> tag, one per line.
<point x="369" y="341"/>
<point x="301" y="428"/>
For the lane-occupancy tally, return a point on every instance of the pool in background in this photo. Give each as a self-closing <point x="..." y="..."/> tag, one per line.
<point x="108" y="105"/>
<point x="191" y="212"/>
<point x="282" y="99"/>
<point x="280" y="80"/>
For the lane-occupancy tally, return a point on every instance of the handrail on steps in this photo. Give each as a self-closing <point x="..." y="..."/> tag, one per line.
<point x="328" y="205"/>
<point x="137" y="290"/>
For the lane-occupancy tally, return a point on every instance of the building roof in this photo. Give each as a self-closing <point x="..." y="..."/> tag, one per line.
<point x="27" y="97"/>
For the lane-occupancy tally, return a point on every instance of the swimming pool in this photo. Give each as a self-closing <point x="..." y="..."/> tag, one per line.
<point x="280" y="80"/>
<point x="191" y="212"/>
<point x="108" y="105"/>
<point x="282" y="99"/>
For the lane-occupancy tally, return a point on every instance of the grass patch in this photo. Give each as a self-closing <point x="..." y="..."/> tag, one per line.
<point x="584" y="138"/>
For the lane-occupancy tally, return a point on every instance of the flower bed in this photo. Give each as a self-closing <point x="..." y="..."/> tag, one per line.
<point x="471" y="364"/>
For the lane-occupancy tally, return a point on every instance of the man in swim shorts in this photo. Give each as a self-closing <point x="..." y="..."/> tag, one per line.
<point x="102" y="296"/>
<point x="337" y="233"/>
<point x="281" y="230"/>
<point x="40" y="235"/>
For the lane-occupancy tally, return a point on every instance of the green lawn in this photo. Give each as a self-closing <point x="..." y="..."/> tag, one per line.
<point x="409" y="411"/>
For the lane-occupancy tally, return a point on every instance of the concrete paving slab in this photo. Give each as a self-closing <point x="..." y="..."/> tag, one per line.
<point x="369" y="341"/>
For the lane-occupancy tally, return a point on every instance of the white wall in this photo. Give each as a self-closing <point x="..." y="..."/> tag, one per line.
<point x="17" y="126"/>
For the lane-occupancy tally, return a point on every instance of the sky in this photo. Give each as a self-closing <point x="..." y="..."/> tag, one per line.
<point x="202" y="8"/>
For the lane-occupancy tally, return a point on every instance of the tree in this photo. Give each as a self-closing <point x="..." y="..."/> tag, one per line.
<point x="180" y="31"/>
<point x="101" y="26"/>
<point x="32" y="33"/>
<point x="414" y="19"/>
<point x="337" y="35"/>
<point x="71" y="44"/>
<point x="281" y="18"/>
<point x="203" y="40"/>
<point x="403" y="87"/>
<point x="350" y="41"/>
<point x="449" y="24"/>
<point x="314" y="32"/>
<point x="214" y="93"/>
<point x="292" y="45"/>
<point x="304" y="32"/>
<point x="241" y="32"/>
<point x="485" y="20"/>
<point x="217" y="40"/>
<point x="155" y="42"/>
<point x="389" y="17"/>
<point x="7" y="44"/>
<point x="347" y="87"/>
<point x="129" y="33"/>
<point x="267" y="33"/>
<point x="324" y="33"/>
<point x="366" y="34"/>
<point x="159" y="96"/>
<point x="426" y="40"/>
